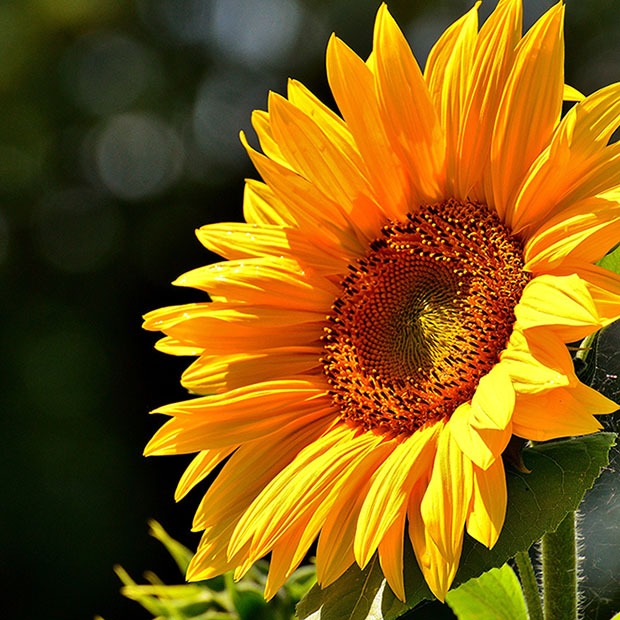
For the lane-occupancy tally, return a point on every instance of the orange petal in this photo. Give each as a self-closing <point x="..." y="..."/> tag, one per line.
<point x="235" y="240"/>
<point x="261" y="206"/>
<point x="262" y="281"/>
<point x="226" y="329"/>
<point x="250" y="469"/>
<point x="448" y="73"/>
<point x="237" y="416"/>
<point x="390" y="488"/>
<point x="584" y="232"/>
<point x="391" y="550"/>
<point x="411" y="121"/>
<point x="214" y="374"/>
<point x="577" y="165"/>
<point x="301" y="487"/>
<point x="200" y="467"/>
<point x="491" y="64"/>
<point x="531" y="107"/>
<point x="352" y="83"/>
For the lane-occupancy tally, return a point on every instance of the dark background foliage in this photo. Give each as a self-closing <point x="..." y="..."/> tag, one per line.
<point x="118" y="137"/>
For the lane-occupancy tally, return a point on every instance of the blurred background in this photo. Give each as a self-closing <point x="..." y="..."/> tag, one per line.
<point x="119" y="124"/>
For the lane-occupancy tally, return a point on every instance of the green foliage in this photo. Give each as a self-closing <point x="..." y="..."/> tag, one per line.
<point x="561" y="473"/>
<point x="495" y="595"/>
<point x="611" y="261"/>
<point x="215" y="599"/>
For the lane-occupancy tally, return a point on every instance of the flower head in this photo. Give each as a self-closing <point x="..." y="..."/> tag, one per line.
<point x="397" y="305"/>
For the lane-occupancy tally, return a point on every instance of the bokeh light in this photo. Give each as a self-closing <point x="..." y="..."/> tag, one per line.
<point x="106" y="72"/>
<point x="138" y="155"/>
<point x="255" y="32"/>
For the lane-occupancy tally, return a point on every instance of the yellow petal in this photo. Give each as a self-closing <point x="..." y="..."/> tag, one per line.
<point x="237" y="416"/>
<point x="493" y="400"/>
<point x="531" y="107"/>
<point x="482" y="446"/>
<point x="335" y="547"/>
<point x="411" y="121"/>
<point x="391" y="554"/>
<point x="577" y="165"/>
<point x="290" y="550"/>
<point x="200" y="467"/>
<point x="492" y="61"/>
<point x="329" y="169"/>
<point x="210" y="558"/>
<point x="269" y="143"/>
<point x="318" y="217"/>
<point x="250" y="469"/>
<point x="331" y="123"/>
<point x="584" y="232"/>
<point x="560" y="303"/>
<point x="537" y="360"/>
<point x="301" y="487"/>
<point x="572" y="94"/>
<point x="448" y="74"/>
<point x="286" y="555"/>
<point x="215" y="374"/>
<point x="603" y="286"/>
<point x="352" y="84"/>
<point x="390" y="488"/>
<point x="172" y="346"/>
<point x="445" y="505"/>
<point x="560" y="413"/>
<point x="482" y="429"/>
<point x="261" y="206"/>
<point x="486" y="519"/>
<point x="235" y="240"/>
<point x="438" y="571"/>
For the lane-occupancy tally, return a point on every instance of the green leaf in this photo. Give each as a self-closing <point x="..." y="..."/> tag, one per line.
<point x="250" y="603"/>
<point x="611" y="261"/>
<point x="181" y="554"/>
<point x="495" y="595"/>
<point x="561" y="473"/>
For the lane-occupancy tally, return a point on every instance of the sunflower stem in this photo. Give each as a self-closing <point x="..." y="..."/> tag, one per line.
<point x="559" y="569"/>
<point x="529" y="583"/>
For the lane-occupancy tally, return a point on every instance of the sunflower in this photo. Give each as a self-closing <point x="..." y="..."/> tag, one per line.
<point x="397" y="305"/>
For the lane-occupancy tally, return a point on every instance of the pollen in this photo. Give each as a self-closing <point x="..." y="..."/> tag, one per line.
<point x="422" y="317"/>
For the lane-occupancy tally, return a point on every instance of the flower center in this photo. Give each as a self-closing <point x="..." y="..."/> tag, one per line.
<point x="422" y="317"/>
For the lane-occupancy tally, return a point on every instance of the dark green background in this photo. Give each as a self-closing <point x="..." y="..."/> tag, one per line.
<point x="118" y="137"/>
